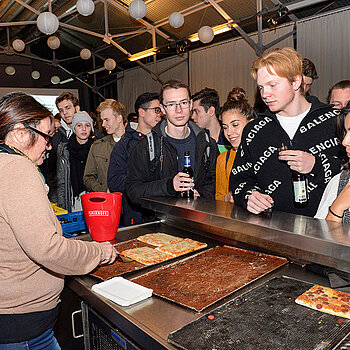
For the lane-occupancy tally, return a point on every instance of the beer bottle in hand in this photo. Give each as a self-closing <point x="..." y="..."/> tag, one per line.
<point x="188" y="170"/>
<point x="299" y="189"/>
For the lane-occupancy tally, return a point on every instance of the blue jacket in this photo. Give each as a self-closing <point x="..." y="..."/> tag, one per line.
<point x="118" y="164"/>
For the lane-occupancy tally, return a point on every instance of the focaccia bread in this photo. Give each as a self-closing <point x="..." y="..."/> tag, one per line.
<point x="146" y="255"/>
<point x="187" y="245"/>
<point x="327" y="300"/>
<point x="158" y="239"/>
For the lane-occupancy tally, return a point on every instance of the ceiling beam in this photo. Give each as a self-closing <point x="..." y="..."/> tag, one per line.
<point x="186" y="12"/>
<point x="142" y="21"/>
<point x="293" y="17"/>
<point x="232" y="23"/>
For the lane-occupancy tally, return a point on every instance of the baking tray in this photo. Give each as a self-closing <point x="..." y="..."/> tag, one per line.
<point x="119" y="267"/>
<point x="207" y="277"/>
<point x="266" y="317"/>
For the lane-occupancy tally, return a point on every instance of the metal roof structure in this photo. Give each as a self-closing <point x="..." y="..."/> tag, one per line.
<point x="110" y="31"/>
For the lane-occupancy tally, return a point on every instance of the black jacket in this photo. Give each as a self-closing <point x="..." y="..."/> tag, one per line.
<point x="49" y="166"/>
<point x="257" y="167"/>
<point x="151" y="179"/>
<point x="132" y="213"/>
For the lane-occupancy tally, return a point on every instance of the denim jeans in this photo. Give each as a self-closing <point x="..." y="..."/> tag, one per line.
<point x="45" y="341"/>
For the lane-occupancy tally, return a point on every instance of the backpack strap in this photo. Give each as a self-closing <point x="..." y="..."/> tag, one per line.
<point x="151" y="146"/>
<point x="207" y="154"/>
<point x="227" y="157"/>
<point x="154" y="162"/>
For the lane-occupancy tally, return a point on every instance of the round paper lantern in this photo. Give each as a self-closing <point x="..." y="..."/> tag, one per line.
<point x="176" y="20"/>
<point x="110" y="64"/>
<point x="9" y="70"/>
<point x="55" y="79"/>
<point x="137" y="9"/>
<point x="85" y="54"/>
<point x="85" y="7"/>
<point x="35" y="74"/>
<point x="18" y="45"/>
<point x="53" y="42"/>
<point x="47" y="23"/>
<point x="206" y="34"/>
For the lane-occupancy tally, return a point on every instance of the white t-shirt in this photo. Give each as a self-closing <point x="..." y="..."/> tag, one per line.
<point x="291" y="124"/>
<point x="116" y="139"/>
<point x="328" y="197"/>
<point x="68" y="130"/>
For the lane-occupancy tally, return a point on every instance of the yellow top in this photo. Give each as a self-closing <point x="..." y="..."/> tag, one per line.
<point x="223" y="172"/>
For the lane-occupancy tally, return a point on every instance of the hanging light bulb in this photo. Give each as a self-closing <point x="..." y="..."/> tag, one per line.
<point x="47" y="23"/>
<point x="55" y="79"/>
<point x="110" y="64"/>
<point x="53" y="42"/>
<point x="206" y="34"/>
<point x="85" y="54"/>
<point x="10" y="70"/>
<point x="18" y="45"/>
<point x="137" y="9"/>
<point x="85" y="7"/>
<point x="35" y="74"/>
<point x="176" y="19"/>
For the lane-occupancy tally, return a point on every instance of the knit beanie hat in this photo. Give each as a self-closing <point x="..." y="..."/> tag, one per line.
<point x="82" y="116"/>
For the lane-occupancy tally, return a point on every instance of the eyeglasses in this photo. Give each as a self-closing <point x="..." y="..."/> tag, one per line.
<point x="157" y="110"/>
<point x="47" y="137"/>
<point x="172" y="105"/>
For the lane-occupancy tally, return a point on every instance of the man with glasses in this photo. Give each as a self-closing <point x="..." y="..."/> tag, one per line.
<point x="147" y="108"/>
<point x="156" y="163"/>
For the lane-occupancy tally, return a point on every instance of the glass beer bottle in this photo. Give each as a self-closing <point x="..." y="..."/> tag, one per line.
<point x="299" y="190"/>
<point x="188" y="170"/>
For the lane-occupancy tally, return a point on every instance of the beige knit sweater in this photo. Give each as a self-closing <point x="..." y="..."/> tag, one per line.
<point x="34" y="255"/>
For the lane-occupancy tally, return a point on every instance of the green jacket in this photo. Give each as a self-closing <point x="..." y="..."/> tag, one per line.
<point x="95" y="175"/>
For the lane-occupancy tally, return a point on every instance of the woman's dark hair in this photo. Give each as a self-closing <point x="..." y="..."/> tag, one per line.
<point x="341" y="132"/>
<point x="18" y="107"/>
<point x="237" y="100"/>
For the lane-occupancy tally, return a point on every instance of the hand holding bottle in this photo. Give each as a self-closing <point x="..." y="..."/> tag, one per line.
<point x="182" y="182"/>
<point x="299" y="161"/>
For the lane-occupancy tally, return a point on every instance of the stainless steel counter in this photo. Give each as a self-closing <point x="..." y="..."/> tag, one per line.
<point x="299" y="238"/>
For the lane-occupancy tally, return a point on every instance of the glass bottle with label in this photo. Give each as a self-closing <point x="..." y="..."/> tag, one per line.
<point x="300" y="190"/>
<point x="188" y="170"/>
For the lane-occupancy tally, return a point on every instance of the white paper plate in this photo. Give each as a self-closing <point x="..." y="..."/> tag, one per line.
<point x="122" y="291"/>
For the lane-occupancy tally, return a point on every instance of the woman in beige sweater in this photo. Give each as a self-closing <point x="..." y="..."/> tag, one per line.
<point x="34" y="256"/>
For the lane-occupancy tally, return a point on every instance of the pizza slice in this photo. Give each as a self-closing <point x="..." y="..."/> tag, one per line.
<point x="187" y="245"/>
<point x="146" y="255"/>
<point x="327" y="300"/>
<point x="158" y="239"/>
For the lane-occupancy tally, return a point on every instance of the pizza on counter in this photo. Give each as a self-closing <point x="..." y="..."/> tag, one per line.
<point x="327" y="300"/>
<point x="184" y="246"/>
<point x="146" y="255"/>
<point x="158" y="239"/>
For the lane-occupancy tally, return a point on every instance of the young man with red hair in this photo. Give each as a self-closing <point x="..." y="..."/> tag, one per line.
<point x="261" y="174"/>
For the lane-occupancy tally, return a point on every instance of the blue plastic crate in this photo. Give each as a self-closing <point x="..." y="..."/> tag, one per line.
<point x="72" y="223"/>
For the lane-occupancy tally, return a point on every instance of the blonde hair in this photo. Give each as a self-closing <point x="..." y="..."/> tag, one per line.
<point x="286" y="62"/>
<point x="115" y="106"/>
